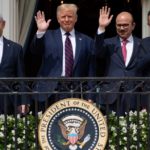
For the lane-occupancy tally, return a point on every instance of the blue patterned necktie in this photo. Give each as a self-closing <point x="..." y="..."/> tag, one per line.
<point x="68" y="56"/>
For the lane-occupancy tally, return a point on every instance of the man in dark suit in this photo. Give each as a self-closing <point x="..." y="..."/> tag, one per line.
<point x="51" y="45"/>
<point x="143" y="67"/>
<point x="144" y="57"/>
<point x="11" y="65"/>
<point x="119" y="63"/>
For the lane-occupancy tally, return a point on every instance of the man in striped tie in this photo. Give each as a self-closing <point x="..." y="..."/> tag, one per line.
<point x="66" y="52"/>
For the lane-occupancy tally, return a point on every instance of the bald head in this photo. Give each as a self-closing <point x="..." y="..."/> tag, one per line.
<point x="125" y="15"/>
<point x="124" y="24"/>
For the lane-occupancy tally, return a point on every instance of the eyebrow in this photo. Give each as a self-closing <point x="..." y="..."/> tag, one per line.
<point x="122" y="24"/>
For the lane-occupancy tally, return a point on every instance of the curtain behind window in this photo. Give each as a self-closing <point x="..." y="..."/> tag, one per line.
<point x="26" y="14"/>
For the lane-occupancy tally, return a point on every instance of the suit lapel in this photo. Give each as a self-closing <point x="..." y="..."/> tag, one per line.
<point x="118" y="49"/>
<point x="6" y="48"/>
<point x="79" y="39"/>
<point x="59" y="43"/>
<point x="135" y="50"/>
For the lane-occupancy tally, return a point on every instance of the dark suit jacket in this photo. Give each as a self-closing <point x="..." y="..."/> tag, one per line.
<point x="144" y="57"/>
<point x="51" y="48"/>
<point x="110" y="49"/>
<point x="11" y="66"/>
<point x="12" y="60"/>
<point x="144" y="67"/>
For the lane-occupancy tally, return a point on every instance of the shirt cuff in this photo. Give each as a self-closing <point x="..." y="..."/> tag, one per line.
<point x="100" y="31"/>
<point x="39" y="34"/>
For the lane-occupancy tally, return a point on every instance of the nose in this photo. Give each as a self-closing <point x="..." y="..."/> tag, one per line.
<point x="121" y="27"/>
<point x="66" y="18"/>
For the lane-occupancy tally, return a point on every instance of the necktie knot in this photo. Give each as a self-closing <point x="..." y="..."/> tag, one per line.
<point x="124" y="42"/>
<point x="67" y="33"/>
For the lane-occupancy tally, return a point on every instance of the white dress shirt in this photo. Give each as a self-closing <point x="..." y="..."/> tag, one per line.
<point x="1" y="48"/>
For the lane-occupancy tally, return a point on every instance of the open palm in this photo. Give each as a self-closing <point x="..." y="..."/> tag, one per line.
<point x="42" y="25"/>
<point x="105" y="18"/>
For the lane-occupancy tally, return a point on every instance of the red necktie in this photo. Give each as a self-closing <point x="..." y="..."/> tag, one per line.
<point x="124" y="49"/>
<point x="68" y="56"/>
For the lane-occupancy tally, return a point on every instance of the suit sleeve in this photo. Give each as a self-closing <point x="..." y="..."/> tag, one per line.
<point x="144" y="56"/>
<point x="92" y="70"/>
<point x="92" y="61"/>
<point x="20" y="72"/>
<point x="100" y="46"/>
<point x="37" y="45"/>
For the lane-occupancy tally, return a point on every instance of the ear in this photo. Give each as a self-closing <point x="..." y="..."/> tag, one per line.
<point x="76" y="18"/>
<point x="133" y="25"/>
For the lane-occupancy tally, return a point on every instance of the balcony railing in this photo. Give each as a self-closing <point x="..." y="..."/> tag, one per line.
<point x="129" y="129"/>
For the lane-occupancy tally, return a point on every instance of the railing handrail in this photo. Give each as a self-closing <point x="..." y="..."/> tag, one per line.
<point x="74" y="78"/>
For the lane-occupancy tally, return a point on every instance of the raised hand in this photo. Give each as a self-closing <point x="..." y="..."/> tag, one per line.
<point x="104" y="17"/>
<point x="23" y="109"/>
<point x="42" y="25"/>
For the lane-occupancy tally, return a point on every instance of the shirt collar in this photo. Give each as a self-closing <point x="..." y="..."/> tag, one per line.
<point x="1" y="39"/>
<point x="129" y="39"/>
<point x="72" y="33"/>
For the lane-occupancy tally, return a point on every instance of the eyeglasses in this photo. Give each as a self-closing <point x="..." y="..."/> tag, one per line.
<point x="122" y="26"/>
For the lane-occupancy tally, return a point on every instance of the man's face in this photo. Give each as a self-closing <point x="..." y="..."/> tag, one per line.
<point x="2" y="25"/>
<point x="67" y="19"/>
<point x="124" y="25"/>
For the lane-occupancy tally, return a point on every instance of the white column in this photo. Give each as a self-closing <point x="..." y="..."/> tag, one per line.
<point x="145" y="9"/>
<point x="9" y="11"/>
